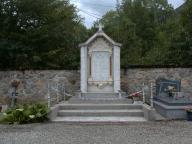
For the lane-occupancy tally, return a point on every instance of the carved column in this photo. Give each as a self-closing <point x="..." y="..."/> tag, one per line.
<point x="84" y="69"/>
<point x="116" y="68"/>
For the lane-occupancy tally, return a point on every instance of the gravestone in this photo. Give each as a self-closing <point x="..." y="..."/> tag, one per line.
<point x="163" y="85"/>
<point x="166" y="101"/>
<point x="100" y="64"/>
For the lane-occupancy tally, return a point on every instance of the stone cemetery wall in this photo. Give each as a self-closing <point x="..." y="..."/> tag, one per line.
<point x="35" y="83"/>
<point x="132" y="79"/>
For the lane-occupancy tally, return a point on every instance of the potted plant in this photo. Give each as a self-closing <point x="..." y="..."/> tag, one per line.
<point x="189" y="113"/>
<point x="15" y="83"/>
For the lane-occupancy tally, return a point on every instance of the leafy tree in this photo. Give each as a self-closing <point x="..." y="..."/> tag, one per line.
<point x="186" y="37"/>
<point x="44" y="34"/>
<point x="145" y="29"/>
<point x="39" y="34"/>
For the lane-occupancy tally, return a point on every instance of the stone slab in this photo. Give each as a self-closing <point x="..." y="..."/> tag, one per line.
<point x="101" y="113"/>
<point x="99" y="101"/>
<point x="170" y="112"/>
<point x="99" y="119"/>
<point x="174" y="102"/>
<point x="99" y="106"/>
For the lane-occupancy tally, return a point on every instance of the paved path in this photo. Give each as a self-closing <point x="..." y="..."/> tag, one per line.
<point x="133" y="133"/>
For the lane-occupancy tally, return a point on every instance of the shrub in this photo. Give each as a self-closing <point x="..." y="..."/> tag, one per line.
<point x="26" y="114"/>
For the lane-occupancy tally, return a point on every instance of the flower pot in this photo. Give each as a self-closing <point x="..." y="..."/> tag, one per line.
<point x="189" y="115"/>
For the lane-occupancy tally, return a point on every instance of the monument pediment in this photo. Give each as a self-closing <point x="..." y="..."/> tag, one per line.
<point x="100" y="34"/>
<point x="100" y="44"/>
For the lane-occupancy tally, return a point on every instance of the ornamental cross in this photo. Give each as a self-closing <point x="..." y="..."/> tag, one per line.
<point x="100" y="27"/>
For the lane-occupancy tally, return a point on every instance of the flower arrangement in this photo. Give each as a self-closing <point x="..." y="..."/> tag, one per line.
<point x="188" y="108"/>
<point x="15" y="83"/>
<point x="136" y="94"/>
<point x="170" y="90"/>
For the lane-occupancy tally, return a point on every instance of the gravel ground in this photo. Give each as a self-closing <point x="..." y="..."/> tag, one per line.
<point x="172" y="132"/>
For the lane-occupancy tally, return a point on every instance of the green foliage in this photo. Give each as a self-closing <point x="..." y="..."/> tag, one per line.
<point x="26" y="114"/>
<point x="39" y="34"/>
<point x="185" y="39"/>
<point x="151" y="32"/>
<point x="44" y="34"/>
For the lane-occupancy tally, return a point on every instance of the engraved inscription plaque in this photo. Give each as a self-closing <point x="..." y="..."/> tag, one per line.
<point x="100" y="66"/>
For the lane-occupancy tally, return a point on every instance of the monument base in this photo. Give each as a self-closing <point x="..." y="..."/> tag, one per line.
<point x="172" y="108"/>
<point x="101" y="96"/>
<point x="170" y="111"/>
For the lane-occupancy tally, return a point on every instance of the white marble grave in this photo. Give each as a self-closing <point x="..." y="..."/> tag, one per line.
<point x="100" y="64"/>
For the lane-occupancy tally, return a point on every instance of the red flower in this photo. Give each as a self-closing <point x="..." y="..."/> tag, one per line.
<point x="136" y="94"/>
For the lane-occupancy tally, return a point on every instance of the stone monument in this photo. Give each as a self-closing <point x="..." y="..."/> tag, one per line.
<point x="100" y="64"/>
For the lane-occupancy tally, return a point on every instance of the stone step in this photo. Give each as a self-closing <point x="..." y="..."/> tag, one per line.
<point x="98" y="106"/>
<point x="100" y="95"/>
<point x="76" y="119"/>
<point x="106" y="113"/>
<point x="76" y="100"/>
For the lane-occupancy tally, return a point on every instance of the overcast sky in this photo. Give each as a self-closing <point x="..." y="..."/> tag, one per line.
<point x="91" y="10"/>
